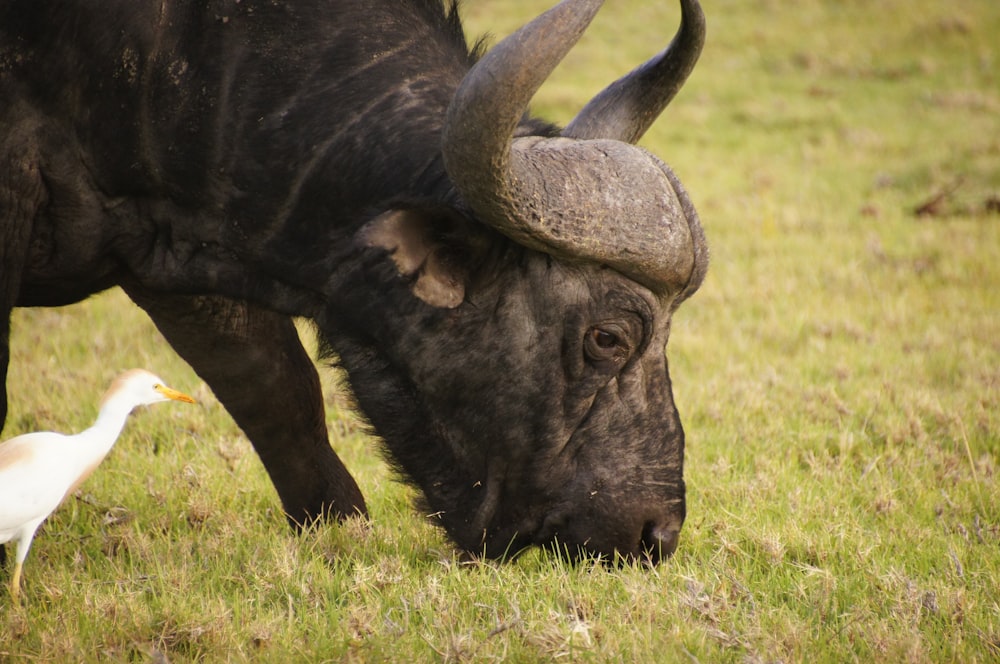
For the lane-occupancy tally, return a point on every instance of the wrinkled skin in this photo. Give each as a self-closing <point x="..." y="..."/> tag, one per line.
<point x="227" y="188"/>
<point x="571" y="461"/>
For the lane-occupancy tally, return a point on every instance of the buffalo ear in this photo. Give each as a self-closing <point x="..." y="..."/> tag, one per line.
<point x="415" y="242"/>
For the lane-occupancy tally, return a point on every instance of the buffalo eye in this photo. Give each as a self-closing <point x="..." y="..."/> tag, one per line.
<point x="604" y="343"/>
<point x="603" y="338"/>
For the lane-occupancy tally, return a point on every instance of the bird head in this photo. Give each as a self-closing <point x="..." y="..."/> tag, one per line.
<point x="143" y="388"/>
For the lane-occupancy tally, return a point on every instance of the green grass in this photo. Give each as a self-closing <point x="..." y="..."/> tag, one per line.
<point x="838" y="376"/>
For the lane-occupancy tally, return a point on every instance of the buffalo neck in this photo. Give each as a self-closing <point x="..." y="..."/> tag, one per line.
<point x="230" y="158"/>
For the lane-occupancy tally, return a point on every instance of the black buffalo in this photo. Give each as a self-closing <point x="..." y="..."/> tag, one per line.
<point x="498" y="290"/>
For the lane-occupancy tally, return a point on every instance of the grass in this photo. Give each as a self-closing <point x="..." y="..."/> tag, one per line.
<point x="838" y="376"/>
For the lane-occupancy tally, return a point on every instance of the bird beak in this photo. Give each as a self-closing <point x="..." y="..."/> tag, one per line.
<point x="171" y="393"/>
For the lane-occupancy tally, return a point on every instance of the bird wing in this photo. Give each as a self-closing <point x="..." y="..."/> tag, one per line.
<point x="30" y="487"/>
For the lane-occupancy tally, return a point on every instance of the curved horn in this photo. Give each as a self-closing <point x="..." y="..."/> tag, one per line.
<point x="488" y="105"/>
<point x="628" y="107"/>
<point x="601" y="201"/>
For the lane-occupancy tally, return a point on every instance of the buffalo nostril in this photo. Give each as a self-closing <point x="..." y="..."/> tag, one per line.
<point x="659" y="541"/>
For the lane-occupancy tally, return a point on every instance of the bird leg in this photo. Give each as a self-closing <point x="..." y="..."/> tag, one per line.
<point x="23" y="544"/>
<point x="15" y="583"/>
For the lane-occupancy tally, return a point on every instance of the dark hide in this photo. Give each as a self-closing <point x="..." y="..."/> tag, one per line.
<point x="231" y="164"/>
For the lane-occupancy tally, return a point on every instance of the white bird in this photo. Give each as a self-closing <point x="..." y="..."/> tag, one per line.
<point x="38" y="470"/>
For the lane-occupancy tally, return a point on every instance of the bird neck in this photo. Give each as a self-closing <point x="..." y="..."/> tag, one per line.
<point x="109" y="424"/>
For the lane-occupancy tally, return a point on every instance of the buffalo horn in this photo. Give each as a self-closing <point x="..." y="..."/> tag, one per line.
<point x="603" y="200"/>
<point x="627" y="107"/>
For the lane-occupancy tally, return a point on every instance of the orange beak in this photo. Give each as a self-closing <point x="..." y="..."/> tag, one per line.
<point x="171" y="393"/>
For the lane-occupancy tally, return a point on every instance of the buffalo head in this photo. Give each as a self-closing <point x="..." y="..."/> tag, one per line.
<point x="520" y="380"/>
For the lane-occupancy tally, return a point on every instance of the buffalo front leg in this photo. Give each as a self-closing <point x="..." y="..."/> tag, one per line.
<point x="255" y="364"/>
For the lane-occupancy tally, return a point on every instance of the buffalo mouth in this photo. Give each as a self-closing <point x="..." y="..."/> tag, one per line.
<point x="649" y="542"/>
<point x="654" y="548"/>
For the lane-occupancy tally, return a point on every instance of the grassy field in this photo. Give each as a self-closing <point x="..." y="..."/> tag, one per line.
<point x="838" y="376"/>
